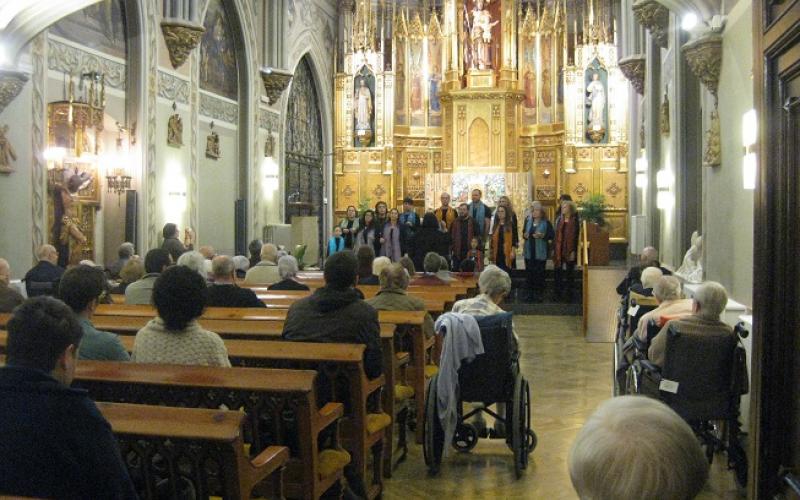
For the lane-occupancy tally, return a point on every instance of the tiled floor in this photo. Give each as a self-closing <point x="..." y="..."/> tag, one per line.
<point x="568" y="378"/>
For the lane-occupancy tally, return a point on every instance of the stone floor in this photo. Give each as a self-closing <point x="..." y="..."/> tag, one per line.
<point x="568" y="378"/>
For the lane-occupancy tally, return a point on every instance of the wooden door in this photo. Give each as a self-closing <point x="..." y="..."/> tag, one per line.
<point x="775" y="418"/>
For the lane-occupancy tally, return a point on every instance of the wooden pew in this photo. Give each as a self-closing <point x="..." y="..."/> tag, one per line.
<point x="209" y="442"/>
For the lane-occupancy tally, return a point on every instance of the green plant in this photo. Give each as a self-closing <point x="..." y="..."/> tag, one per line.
<point x="298" y="253"/>
<point x="592" y="209"/>
<point x="364" y="205"/>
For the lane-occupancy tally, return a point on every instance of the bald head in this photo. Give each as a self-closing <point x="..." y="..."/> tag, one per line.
<point x="5" y="271"/>
<point x="207" y="251"/>
<point x="649" y="256"/>
<point x="222" y="268"/>
<point x="47" y="253"/>
<point x="269" y="253"/>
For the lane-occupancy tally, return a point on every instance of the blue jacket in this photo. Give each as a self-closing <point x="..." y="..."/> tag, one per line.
<point x="54" y="441"/>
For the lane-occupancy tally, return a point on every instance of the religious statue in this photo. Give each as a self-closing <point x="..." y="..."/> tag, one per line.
<point x="68" y="231"/>
<point x="212" y="144"/>
<point x="433" y="91"/>
<point x="363" y="113"/>
<point x="596" y="101"/>
<point x="175" y="129"/>
<point x="692" y="269"/>
<point x="7" y="153"/>
<point x="530" y="88"/>
<point x="480" y="36"/>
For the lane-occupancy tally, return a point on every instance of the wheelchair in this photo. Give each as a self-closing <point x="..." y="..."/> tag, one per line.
<point x="624" y="338"/>
<point x="703" y="379"/>
<point x="492" y="377"/>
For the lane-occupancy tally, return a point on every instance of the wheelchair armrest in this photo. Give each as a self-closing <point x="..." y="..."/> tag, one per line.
<point x="649" y="367"/>
<point x="639" y="344"/>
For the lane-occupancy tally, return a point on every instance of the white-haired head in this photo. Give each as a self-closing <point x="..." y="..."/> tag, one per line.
<point x="649" y="256"/>
<point x="667" y="288"/>
<point x="195" y="261"/>
<point x="241" y="263"/>
<point x="650" y="276"/>
<point x="495" y="283"/>
<point x="288" y="267"/>
<point x="710" y="300"/>
<point x="379" y="264"/>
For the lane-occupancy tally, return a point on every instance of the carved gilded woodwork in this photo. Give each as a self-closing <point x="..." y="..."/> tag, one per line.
<point x="275" y="82"/>
<point x="181" y="38"/>
<point x="634" y="67"/>
<point x="704" y="56"/>
<point x="11" y="83"/>
<point x="655" y="18"/>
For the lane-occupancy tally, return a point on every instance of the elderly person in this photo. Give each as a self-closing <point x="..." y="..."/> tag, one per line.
<point x="124" y="252"/>
<point x="266" y="271"/>
<point x="132" y="271"/>
<point x="408" y="265"/>
<point x="435" y="273"/>
<point x="667" y="292"/>
<point x="288" y="269"/>
<point x="172" y="244"/>
<point x="379" y="264"/>
<point x="445" y="214"/>
<point x="224" y="292"/>
<point x="393" y="297"/>
<point x="174" y="336"/>
<point x="650" y="277"/>
<point x="648" y="258"/>
<point x="208" y="253"/>
<point x="636" y="447"/>
<point x="194" y="261"/>
<point x="429" y="238"/>
<point x="42" y="279"/>
<point x="707" y="305"/>
<point x="9" y="298"/>
<point x="255" y="252"/>
<point x="241" y="264"/>
<point x="156" y="262"/>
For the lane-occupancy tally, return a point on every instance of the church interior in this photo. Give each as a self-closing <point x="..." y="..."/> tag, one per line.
<point x="580" y="164"/>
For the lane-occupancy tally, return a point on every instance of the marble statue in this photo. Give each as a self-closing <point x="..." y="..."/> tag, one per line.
<point x="596" y="101"/>
<point x="175" y="130"/>
<point x="481" y="36"/>
<point x="7" y="153"/>
<point x="212" y="146"/>
<point x="692" y="269"/>
<point x="363" y="105"/>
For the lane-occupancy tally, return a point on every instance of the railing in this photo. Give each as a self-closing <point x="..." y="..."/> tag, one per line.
<point x="583" y="257"/>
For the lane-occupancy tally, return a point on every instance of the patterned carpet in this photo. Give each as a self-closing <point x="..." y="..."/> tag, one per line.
<point x="569" y="378"/>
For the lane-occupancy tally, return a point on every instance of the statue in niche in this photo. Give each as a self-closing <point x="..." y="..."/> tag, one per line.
<point x="175" y="129"/>
<point x="480" y="36"/>
<point x="68" y="231"/>
<point x="692" y="269"/>
<point x="7" y="153"/>
<point x="363" y="104"/>
<point x="212" y="144"/>
<point x="596" y="101"/>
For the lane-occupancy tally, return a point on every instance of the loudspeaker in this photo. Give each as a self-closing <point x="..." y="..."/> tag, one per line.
<point x="241" y="227"/>
<point x="131" y="207"/>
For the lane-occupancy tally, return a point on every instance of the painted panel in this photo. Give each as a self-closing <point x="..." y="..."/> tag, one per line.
<point x="348" y="190"/>
<point x="218" y="67"/>
<point x="100" y="27"/>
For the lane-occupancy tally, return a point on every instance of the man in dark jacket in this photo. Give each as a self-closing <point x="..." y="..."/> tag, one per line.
<point x="55" y="443"/>
<point x="648" y="258"/>
<point x="43" y="278"/>
<point x="336" y="313"/>
<point x="429" y="238"/>
<point x="224" y="292"/>
<point x="462" y="230"/>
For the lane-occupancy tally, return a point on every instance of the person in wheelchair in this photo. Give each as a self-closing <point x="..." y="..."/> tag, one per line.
<point x="494" y="285"/>
<point x="668" y="294"/>
<point x="645" y="287"/>
<point x="636" y="447"/>
<point x="708" y="304"/>
<point x="648" y="258"/>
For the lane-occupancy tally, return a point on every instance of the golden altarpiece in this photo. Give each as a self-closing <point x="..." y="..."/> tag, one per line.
<point x="522" y="99"/>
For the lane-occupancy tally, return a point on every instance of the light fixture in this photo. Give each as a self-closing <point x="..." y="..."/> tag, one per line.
<point x="689" y="21"/>
<point x="641" y="180"/>
<point x="118" y="180"/>
<point x="664" y="179"/>
<point x="641" y="170"/>
<point x="664" y="200"/>
<point x="749" y="138"/>
<point x="54" y="153"/>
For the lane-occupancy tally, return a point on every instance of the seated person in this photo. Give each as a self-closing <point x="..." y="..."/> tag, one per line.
<point x="667" y="292"/>
<point x="224" y="292"/>
<point x="434" y="275"/>
<point x="288" y="269"/>
<point x="266" y="271"/>
<point x="393" y="297"/>
<point x="336" y="313"/>
<point x="140" y="292"/>
<point x="132" y="271"/>
<point x="241" y="264"/>
<point x="408" y="265"/>
<point x="708" y="304"/>
<point x="174" y="336"/>
<point x="648" y="258"/>
<point x="43" y="278"/>
<point x="55" y="442"/>
<point x="195" y="261"/>
<point x="636" y="447"/>
<point x="255" y="252"/>
<point x="124" y="252"/>
<point x="378" y="265"/>
<point x="366" y="256"/>
<point x="649" y="278"/>
<point x="468" y="266"/>
<point x="208" y="253"/>
<point x="9" y="298"/>
<point x="81" y="288"/>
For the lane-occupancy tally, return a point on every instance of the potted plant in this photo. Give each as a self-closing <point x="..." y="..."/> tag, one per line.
<point x="592" y="210"/>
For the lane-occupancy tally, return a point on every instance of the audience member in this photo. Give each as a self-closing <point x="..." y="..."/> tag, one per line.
<point x="241" y="264"/>
<point x="445" y="214"/>
<point x="266" y="271"/>
<point x="366" y="256"/>
<point x="43" y="278"/>
<point x="349" y="226"/>
<point x="462" y="231"/>
<point x="393" y="297"/>
<point x="480" y="213"/>
<point x="132" y="271"/>
<point x="378" y="265"/>
<point x="467" y="266"/>
<point x="649" y="278"/>
<point x="155" y="262"/>
<point x="288" y="269"/>
<point x="538" y="233"/>
<point x="81" y="288"/>
<point x="708" y="303"/>
<point x="648" y="258"/>
<point x="174" y="336"/>
<point x="503" y="240"/>
<point x="172" y="244"/>
<point x="124" y="253"/>
<point x="224" y="292"/>
<point x="565" y="251"/>
<point x="667" y="292"/>
<point x="336" y="313"/>
<point x="208" y="253"/>
<point x="195" y="261"/>
<point x="429" y="238"/>
<point x="433" y="274"/>
<point x="408" y="265"/>
<point x="55" y="443"/>
<point x="255" y="252"/>
<point x="9" y="298"/>
<point x="636" y="447"/>
<point x="336" y="242"/>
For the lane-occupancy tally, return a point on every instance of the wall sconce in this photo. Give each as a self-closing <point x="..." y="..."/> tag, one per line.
<point x="118" y="179"/>
<point x="749" y="139"/>
<point x="269" y="167"/>
<point x="546" y="173"/>
<point x="665" y="200"/>
<point x="664" y="179"/>
<point x="641" y="170"/>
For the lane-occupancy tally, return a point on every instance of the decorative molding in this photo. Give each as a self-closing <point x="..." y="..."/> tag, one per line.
<point x="634" y="68"/>
<point x="275" y="82"/>
<point x="712" y="156"/>
<point x="269" y="120"/>
<point x="11" y="83"/>
<point x="218" y="109"/>
<point x="704" y="56"/>
<point x="655" y="18"/>
<point x="151" y="166"/>
<point x="173" y="88"/>
<point x="72" y="60"/>
<point x="181" y="38"/>
<point x="38" y="167"/>
<point x="193" y="191"/>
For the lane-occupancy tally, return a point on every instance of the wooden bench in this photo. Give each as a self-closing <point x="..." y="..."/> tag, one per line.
<point x="203" y="447"/>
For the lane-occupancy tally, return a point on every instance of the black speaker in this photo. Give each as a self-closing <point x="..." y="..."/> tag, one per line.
<point x="241" y="227"/>
<point x="131" y="207"/>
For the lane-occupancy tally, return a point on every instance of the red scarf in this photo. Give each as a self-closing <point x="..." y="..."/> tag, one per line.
<point x="566" y="240"/>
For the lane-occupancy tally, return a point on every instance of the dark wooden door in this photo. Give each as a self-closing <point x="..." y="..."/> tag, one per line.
<point x="775" y="433"/>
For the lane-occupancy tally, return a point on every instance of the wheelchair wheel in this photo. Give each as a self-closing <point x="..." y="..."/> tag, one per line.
<point x="614" y="367"/>
<point x="521" y="440"/>
<point x="433" y="434"/>
<point x="737" y="460"/>
<point x="465" y="438"/>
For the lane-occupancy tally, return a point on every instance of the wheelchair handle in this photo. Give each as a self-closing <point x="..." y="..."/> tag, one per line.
<point x="741" y="330"/>
<point x="792" y="481"/>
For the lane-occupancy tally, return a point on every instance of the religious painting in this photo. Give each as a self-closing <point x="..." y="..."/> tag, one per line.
<point x="100" y="27"/>
<point x="434" y="82"/>
<point x="364" y="108"/>
<point x="400" y="82"/>
<point x="417" y="84"/>
<point x="493" y="186"/>
<point x="528" y="65"/>
<point x="481" y="25"/>
<point x="218" y="67"/>
<point x="596" y="102"/>
<point x="546" y="112"/>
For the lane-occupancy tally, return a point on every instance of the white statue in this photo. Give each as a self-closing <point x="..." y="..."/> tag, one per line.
<point x="596" y="101"/>
<point x="363" y="99"/>
<point x="481" y="36"/>
<point x="692" y="269"/>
